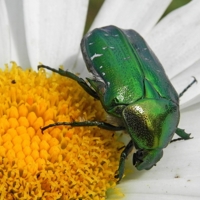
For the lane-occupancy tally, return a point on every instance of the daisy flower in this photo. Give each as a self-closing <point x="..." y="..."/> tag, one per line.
<point x="79" y="163"/>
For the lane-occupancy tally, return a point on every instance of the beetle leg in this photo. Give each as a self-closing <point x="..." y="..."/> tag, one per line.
<point x="102" y="125"/>
<point x="124" y="154"/>
<point x="79" y="80"/>
<point x="183" y="135"/>
<point x="181" y="94"/>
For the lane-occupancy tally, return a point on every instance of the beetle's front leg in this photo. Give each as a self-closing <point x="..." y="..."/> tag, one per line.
<point x="102" y="125"/>
<point x="183" y="135"/>
<point x="79" y="80"/>
<point x="124" y="154"/>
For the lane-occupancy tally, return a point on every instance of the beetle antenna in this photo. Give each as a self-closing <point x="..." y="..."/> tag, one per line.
<point x="181" y="94"/>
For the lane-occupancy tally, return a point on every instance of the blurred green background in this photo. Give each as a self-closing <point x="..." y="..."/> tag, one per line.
<point x="95" y="5"/>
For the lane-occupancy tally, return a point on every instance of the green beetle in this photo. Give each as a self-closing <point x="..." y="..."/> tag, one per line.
<point x="132" y="86"/>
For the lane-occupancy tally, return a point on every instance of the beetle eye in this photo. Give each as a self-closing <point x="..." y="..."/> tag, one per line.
<point x="140" y="153"/>
<point x="137" y="157"/>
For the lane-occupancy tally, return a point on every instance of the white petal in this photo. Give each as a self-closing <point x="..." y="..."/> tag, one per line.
<point x="12" y="33"/>
<point x="131" y="14"/>
<point x="176" y="39"/>
<point x="54" y="30"/>
<point x="155" y="196"/>
<point x="4" y="35"/>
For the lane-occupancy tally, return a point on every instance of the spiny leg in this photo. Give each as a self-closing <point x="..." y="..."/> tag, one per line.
<point x="181" y="94"/>
<point x="183" y="135"/>
<point x="181" y="132"/>
<point x="79" y="80"/>
<point x="124" y="154"/>
<point x="102" y="125"/>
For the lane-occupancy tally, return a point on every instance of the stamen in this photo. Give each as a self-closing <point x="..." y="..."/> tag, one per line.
<point x="63" y="163"/>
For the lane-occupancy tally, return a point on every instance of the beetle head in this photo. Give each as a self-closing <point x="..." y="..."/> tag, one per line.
<point x="146" y="159"/>
<point x="151" y="124"/>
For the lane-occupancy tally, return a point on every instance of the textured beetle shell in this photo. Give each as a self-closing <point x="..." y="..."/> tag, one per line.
<point x="124" y="69"/>
<point x="126" y="74"/>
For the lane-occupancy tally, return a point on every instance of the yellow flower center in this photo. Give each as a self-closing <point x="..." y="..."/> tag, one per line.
<point x="64" y="162"/>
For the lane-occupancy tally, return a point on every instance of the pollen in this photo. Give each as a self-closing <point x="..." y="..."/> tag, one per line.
<point x="63" y="162"/>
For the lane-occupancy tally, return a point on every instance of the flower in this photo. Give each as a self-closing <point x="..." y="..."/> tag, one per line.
<point x="50" y="32"/>
<point x="60" y="163"/>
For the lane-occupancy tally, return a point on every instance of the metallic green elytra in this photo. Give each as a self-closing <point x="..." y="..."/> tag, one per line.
<point x="132" y="86"/>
